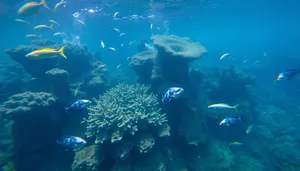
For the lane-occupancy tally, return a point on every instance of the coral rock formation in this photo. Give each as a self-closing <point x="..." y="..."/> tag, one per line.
<point x="26" y="102"/>
<point x="59" y="81"/>
<point x="143" y="63"/>
<point x="173" y="56"/>
<point x="88" y="158"/>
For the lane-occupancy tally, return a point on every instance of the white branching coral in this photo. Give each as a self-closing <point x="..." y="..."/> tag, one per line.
<point x="123" y="109"/>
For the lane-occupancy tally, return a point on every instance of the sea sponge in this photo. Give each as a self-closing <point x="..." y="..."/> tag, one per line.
<point x="26" y="102"/>
<point x="124" y="109"/>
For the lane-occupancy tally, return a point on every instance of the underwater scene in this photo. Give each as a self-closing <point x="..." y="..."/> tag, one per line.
<point x="150" y="85"/>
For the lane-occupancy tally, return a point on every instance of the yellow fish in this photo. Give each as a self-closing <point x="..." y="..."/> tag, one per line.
<point x="58" y="5"/>
<point x="130" y="43"/>
<point x="100" y="66"/>
<point x="113" y="49"/>
<point x="265" y="54"/>
<point x="46" y="53"/>
<point x="235" y="143"/>
<point x="22" y="21"/>
<point x="59" y="34"/>
<point x="76" y="90"/>
<point x="115" y="15"/>
<point x="31" y="8"/>
<point x="54" y="22"/>
<point x="249" y="129"/>
<point x="32" y="36"/>
<point x="43" y="27"/>
<point x="122" y="34"/>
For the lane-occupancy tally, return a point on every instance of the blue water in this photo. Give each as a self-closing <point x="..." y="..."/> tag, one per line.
<point x="262" y="37"/>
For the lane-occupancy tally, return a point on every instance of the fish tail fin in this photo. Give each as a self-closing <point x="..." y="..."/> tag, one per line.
<point x="235" y="107"/>
<point x="242" y="117"/>
<point x="58" y="142"/>
<point x="43" y="2"/>
<point x="61" y="52"/>
<point x="51" y="27"/>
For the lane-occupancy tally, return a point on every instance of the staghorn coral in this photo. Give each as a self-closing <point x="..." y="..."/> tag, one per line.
<point x="26" y="102"/>
<point x="88" y="158"/>
<point x="123" y="109"/>
<point x="145" y="143"/>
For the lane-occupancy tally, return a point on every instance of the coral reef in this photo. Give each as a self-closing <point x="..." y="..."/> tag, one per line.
<point x="124" y="109"/>
<point x="145" y="143"/>
<point x="12" y="80"/>
<point x="25" y="103"/>
<point x="6" y="138"/>
<point x="247" y="163"/>
<point x="88" y="158"/>
<point x="232" y="86"/>
<point x="36" y="122"/>
<point x="173" y="56"/>
<point x="143" y="63"/>
<point x="275" y="131"/>
<point x="78" y="62"/>
<point x="59" y="82"/>
<point x="169" y="64"/>
<point x="154" y="161"/>
<point x="220" y="158"/>
<point x="193" y="128"/>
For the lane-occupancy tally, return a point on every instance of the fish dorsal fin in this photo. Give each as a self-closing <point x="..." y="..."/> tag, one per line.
<point x="72" y="103"/>
<point x="47" y="49"/>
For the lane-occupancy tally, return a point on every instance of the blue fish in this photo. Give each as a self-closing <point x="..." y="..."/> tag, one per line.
<point x="78" y="105"/>
<point x="231" y="120"/>
<point x="71" y="142"/>
<point x="288" y="74"/>
<point x="172" y="94"/>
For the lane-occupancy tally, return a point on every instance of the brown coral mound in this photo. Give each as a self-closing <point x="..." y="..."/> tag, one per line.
<point x="180" y="47"/>
<point x="26" y="102"/>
